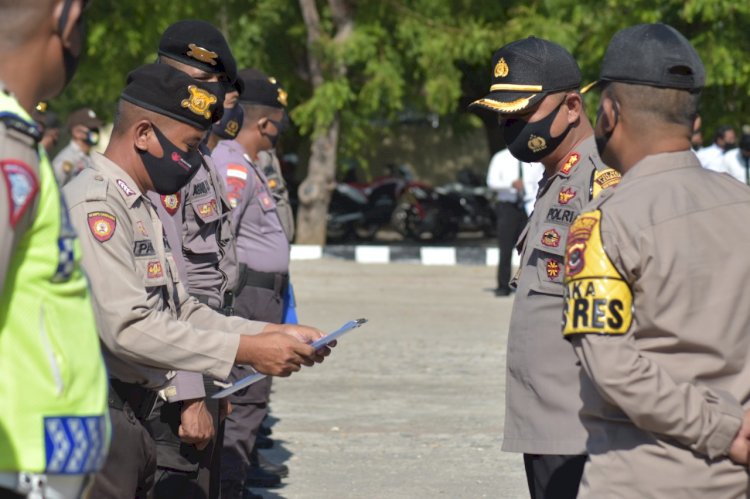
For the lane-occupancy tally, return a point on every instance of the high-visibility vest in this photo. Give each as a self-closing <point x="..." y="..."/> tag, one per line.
<point x="53" y="383"/>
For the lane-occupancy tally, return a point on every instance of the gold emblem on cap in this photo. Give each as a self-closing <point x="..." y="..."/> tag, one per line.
<point x="536" y="143"/>
<point x="501" y="68"/>
<point x="232" y="128"/>
<point x="200" y="101"/>
<point x="42" y="107"/>
<point x="201" y="54"/>
<point x="282" y="97"/>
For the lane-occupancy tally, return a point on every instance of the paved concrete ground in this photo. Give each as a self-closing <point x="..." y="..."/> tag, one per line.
<point x="408" y="406"/>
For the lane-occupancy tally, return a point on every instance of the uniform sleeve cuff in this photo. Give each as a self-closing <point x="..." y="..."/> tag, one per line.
<point x="730" y="416"/>
<point x="184" y="386"/>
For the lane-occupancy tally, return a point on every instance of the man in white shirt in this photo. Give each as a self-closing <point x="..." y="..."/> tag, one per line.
<point x="515" y="184"/>
<point x="724" y="140"/>
<point x="735" y="162"/>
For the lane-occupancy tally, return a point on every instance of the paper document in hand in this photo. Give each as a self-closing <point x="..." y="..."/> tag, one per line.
<point x="317" y="344"/>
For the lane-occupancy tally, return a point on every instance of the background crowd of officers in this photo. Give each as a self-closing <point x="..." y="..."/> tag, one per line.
<point x="159" y="274"/>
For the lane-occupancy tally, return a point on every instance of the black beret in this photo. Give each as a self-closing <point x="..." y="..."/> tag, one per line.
<point x="261" y="89"/>
<point x="656" y="55"/>
<point x="525" y="71"/>
<point x="201" y="45"/>
<point x="168" y="91"/>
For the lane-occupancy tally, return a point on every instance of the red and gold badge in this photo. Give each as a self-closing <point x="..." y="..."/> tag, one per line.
<point x="154" y="270"/>
<point x="102" y="225"/>
<point x="206" y="209"/>
<point x="572" y="160"/>
<point x="171" y="203"/>
<point x="566" y="195"/>
<point x="551" y="238"/>
<point x="553" y="269"/>
<point x="579" y="234"/>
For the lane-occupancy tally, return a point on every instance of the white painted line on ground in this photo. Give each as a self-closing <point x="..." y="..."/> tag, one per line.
<point x="372" y="254"/>
<point x="438" y="256"/>
<point x="306" y="252"/>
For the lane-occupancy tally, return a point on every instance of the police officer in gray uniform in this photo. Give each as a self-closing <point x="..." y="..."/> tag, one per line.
<point x="196" y="221"/>
<point x="263" y="253"/>
<point x="535" y="91"/>
<point x="83" y="125"/>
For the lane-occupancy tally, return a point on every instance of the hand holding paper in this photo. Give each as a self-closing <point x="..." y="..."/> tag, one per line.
<point x="320" y="346"/>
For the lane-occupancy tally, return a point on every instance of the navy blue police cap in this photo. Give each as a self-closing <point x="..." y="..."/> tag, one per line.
<point x="262" y="89"/>
<point x="170" y="92"/>
<point x="201" y="45"/>
<point x="526" y="71"/>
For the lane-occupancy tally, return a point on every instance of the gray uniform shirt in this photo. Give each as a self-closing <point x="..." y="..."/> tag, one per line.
<point x="262" y="244"/>
<point x="666" y="362"/>
<point x="148" y="324"/>
<point x="542" y="391"/>
<point x="69" y="162"/>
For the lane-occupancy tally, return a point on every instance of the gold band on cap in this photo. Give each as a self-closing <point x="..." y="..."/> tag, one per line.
<point x="507" y="107"/>
<point x="515" y="88"/>
<point x="589" y="86"/>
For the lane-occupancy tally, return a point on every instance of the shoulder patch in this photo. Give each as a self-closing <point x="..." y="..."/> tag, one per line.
<point x="15" y="122"/>
<point x="171" y="202"/>
<point x="570" y="162"/>
<point x="596" y="299"/>
<point x="67" y="167"/>
<point x="125" y="188"/>
<point x="102" y="225"/>
<point x="22" y="186"/>
<point x="604" y="179"/>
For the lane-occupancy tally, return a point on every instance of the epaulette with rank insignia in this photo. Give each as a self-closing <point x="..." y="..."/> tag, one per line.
<point x="15" y="122"/>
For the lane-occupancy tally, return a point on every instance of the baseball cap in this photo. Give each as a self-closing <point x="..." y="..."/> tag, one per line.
<point x="86" y="117"/>
<point x="201" y="45"/>
<point x="656" y="55"/>
<point x="170" y="92"/>
<point x="525" y="71"/>
<point x="262" y="89"/>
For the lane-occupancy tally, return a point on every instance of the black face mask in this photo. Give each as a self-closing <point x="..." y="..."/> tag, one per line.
<point x="70" y="60"/>
<point x="281" y="126"/>
<point x="174" y="169"/>
<point x="530" y="142"/>
<point x="230" y="124"/>
<point x="729" y="145"/>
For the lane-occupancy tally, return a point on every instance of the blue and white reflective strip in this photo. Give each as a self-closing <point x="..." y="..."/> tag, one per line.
<point x="74" y="444"/>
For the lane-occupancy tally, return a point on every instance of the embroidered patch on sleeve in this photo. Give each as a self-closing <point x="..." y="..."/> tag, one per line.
<point x="102" y="225"/>
<point x="603" y="180"/>
<point x="171" y="202"/>
<point x="22" y="186"/>
<point x="597" y="298"/>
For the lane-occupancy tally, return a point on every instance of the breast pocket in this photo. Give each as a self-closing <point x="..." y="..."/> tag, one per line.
<point x="548" y="256"/>
<point x="202" y="219"/>
<point x="151" y="270"/>
<point x="269" y="217"/>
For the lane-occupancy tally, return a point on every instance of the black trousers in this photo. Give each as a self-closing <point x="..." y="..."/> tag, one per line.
<point x="552" y="476"/>
<point x="130" y="466"/>
<point x="511" y="219"/>
<point x="250" y="405"/>
<point x="183" y="470"/>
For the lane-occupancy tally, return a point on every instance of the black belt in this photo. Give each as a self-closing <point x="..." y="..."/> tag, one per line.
<point x="267" y="280"/>
<point x="141" y="400"/>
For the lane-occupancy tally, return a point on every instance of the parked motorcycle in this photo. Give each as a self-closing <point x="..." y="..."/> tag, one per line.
<point x="359" y="210"/>
<point x="441" y="213"/>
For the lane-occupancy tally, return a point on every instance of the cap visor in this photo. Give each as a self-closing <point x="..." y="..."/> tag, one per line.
<point x="508" y="102"/>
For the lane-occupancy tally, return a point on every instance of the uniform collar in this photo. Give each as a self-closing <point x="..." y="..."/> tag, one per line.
<point x="124" y="184"/>
<point x="583" y="149"/>
<point x="663" y="162"/>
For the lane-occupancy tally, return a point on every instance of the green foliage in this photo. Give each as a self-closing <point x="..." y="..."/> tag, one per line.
<point x="408" y="56"/>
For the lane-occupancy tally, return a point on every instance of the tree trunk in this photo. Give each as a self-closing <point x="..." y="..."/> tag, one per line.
<point x="315" y="191"/>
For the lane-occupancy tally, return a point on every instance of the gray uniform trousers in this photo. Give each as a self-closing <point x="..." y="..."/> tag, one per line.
<point x="249" y="406"/>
